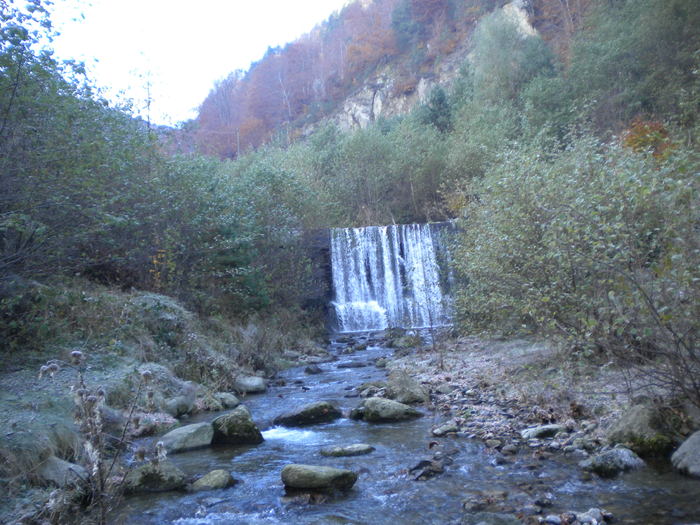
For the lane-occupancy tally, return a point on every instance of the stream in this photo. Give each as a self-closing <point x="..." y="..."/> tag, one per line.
<point x="385" y="493"/>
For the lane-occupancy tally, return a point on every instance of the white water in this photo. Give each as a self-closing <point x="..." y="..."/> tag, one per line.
<point x="387" y="276"/>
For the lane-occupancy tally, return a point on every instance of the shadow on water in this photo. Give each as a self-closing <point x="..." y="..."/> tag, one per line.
<point x="384" y="492"/>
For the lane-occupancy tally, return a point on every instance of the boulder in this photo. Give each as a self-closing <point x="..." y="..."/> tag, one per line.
<point x="358" y="449"/>
<point x="208" y="403"/>
<point x="227" y="400"/>
<point x="216" y="479"/>
<point x="543" y="431"/>
<point x="179" y="406"/>
<point x="188" y="437"/>
<point x="249" y="384"/>
<point x="610" y="463"/>
<point x="236" y="428"/>
<point x="320" y="412"/>
<point x="687" y="458"/>
<point x="155" y="477"/>
<point x="148" y="424"/>
<point x="378" y="410"/>
<point x="61" y="473"/>
<point x="312" y="477"/>
<point x="643" y="429"/>
<point x="403" y="388"/>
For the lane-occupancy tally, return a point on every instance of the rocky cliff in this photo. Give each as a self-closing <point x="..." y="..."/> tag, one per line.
<point x="382" y="95"/>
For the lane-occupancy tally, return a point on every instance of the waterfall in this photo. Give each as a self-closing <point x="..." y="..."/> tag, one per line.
<point x="389" y="276"/>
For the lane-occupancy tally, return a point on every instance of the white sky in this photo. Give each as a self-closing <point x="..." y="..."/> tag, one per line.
<point x="182" y="46"/>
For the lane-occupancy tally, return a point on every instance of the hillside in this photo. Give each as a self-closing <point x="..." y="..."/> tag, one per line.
<point x="374" y="59"/>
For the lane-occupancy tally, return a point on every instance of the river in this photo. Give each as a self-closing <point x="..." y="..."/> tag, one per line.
<point x="385" y="492"/>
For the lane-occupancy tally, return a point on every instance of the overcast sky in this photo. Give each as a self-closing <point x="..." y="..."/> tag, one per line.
<point x="182" y="46"/>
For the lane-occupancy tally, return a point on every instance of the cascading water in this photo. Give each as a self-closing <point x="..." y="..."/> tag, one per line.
<point x="388" y="276"/>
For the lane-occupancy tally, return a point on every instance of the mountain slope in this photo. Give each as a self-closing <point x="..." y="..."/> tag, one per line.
<point x="373" y="58"/>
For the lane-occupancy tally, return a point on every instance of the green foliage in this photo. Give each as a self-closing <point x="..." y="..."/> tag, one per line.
<point x="596" y="244"/>
<point x="406" y="29"/>
<point x="88" y="192"/>
<point x="437" y="111"/>
<point x="638" y="57"/>
<point x="505" y="59"/>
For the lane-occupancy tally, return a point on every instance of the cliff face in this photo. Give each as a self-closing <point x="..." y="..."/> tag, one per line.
<point x="383" y="96"/>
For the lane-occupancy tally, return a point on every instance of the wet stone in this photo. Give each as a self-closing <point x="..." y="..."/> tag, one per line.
<point x="352" y="364"/>
<point x="551" y="520"/>
<point x="314" y="413"/>
<point x="188" y="437"/>
<point x="313" y="477"/>
<point x="216" y="479"/>
<point x="236" y="428"/>
<point x="349" y="450"/>
<point x="612" y="462"/>
<point x="509" y="449"/>
<point x="543" y="431"/>
<point x="445" y="429"/>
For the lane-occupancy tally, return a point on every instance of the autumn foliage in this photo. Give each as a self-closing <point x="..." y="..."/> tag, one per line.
<point x="308" y="78"/>
<point x="648" y="136"/>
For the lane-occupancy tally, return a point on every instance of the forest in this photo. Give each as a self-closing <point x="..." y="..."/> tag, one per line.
<point x="568" y="158"/>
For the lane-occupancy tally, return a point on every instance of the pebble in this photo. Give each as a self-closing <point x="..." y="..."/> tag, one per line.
<point x="545" y="500"/>
<point x="531" y="510"/>
<point x="551" y="520"/>
<point x="445" y="429"/>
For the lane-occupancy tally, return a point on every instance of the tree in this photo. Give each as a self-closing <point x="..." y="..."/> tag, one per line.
<point x="437" y="111"/>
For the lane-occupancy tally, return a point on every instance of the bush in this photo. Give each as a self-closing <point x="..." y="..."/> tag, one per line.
<point x="598" y="245"/>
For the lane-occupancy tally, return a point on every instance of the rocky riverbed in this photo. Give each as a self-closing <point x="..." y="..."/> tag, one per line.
<point x="385" y="430"/>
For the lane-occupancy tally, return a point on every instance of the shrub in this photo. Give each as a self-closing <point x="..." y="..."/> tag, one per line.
<point x="596" y="244"/>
